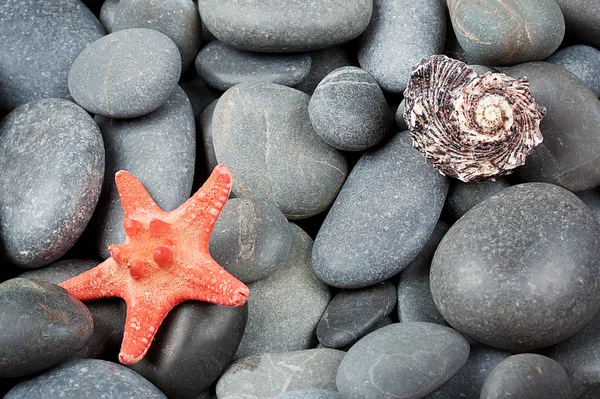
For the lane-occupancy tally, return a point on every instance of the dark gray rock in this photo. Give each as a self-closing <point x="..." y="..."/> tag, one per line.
<point x="107" y="14"/>
<point x="159" y="149"/>
<point x="126" y="74"/>
<point x="52" y="162"/>
<point x="583" y="19"/>
<point x="42" y="326"/>
<point x="39" y="41"/>
<point x="404" y="360"/>
<point x="527" y="376"/>
<point x="273" y="151"/>
<point x="285" y="307"/>
<point x="178" y="20"/>
<point x="222" y="66"/>
<point x="520" y="270"/>
<point x="592" y="199"/>
<point x="252" y="377"/>
<point x="199" y="94"/>
<point x="310" y="394"/>
<point x="570" y="153"/>
<point x="348" y="110"/>
<point x="281" y="26"/>
<point x="582" y="61"/>
<point x="323" y="62"/>
<point x="464" y="196"/>
<point x="401" y="33"/>
<point x="352" y="313"/>
<point x="381" y="219"/>
<point x="86" y="378"/>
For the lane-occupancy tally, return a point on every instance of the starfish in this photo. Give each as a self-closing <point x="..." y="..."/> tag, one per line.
<point x="164" y="260"/>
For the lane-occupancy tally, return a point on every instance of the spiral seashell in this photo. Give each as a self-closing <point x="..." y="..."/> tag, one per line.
<point x="468" y="126"/>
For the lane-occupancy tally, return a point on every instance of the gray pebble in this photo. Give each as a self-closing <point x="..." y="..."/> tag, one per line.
<point x="323" y="62"/>
<point x="400" y="116"/>
<point x="583" y="19"/>
<point x="592" y="199"/>
<point x="310" y="394"/>
<point x="582" y="61"/>
<point x="107" y="14"/>
<point x="464" y="196"/>
<point x="208" y="150"/>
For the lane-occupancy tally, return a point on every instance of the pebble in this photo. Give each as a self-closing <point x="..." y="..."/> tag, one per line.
<point x="86" y="378"/>
<point x="348" y="110"/>
<point x="252" y="377"/>
<point x="38" y="44"/>
<point x="351" y="314"/>
<point x="310" y="394"/>
<point x="592" y="199"/>
<point x="401" y="33"/>
<point x="404" y="360"/>
<point x="43" y="325"/>
<point x="399" y="116"/>
<point x="125" y="74"/>
<point x="298" y="26"/>
<point x="583" y="19"/>
<point x="205" y="140"/>
<point x="323" y="62"/>
<point x="222" y="66"/>
<point x="199" y="94"/>
<point x="519" y="271"/>
<point x="582" y="61"/>
<point x="527" y="376"/>
<point x="107" y="14"/>
<point x="273" y="151"/>
<point x="382" y="218"/>
<point x="159" y="149"/>
<point x="285" y="307"/>
<point x="464" y="196"/>
<point x="52" y="162"/>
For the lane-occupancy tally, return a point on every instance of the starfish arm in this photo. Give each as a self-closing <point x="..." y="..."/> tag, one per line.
<point x="135" y="199"/>
<point x="103" y="281"/>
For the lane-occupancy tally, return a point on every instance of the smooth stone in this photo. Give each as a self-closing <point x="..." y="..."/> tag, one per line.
<point x="159" y="149"/>
<point x="252" y="377"/>
<point x="273" y="151"/>
<point x="352" y="313"/>
<point x="207" y="147"/>
<point x="400" y="122"/>
<point x="52" y="162"/>
<point x="38" y="44"/>
<point x="527" y="376"/>
<point x="199" y="94"/>
<point x="86" y="378"/>
<point x="570" y="153"/>
<point x="178" y="20"/>
<point x="520" y="270"/>
<point x="348" y="110"/>
<point x="250" y="239"/>
<point x="582" y="18"/>
<point x="310" y="394"/>
<point x="276" y="26"/>
<point x="592" y="199"/>
<point x="400" y="35"/>
<point x="107" y="14"/>
<point x="507" y="32"/>
<point x="582" y="61"/>
<point x="292" y="294"/>
<point x="323" y="62"/>
<point x="404" y="360"/>
<point x="125" y="74"/>
<point x="382" y="217"/>
<point x="452" y="47"/>
<point x="222" y="66"/>
<point x="464" y="196"/>
<point x="43" y="325"/>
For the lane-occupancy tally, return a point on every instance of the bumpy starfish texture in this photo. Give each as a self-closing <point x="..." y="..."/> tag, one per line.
<point x="164" y="260"/>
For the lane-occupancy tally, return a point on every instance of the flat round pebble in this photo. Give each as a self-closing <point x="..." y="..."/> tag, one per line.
<point x="126" y="74"/>
<point x="402" y="360"/>
<point x="89" y="378"/>
<point x="43" y="325"/>
<point x="464" y="196"/>
<point x="52" y="162"/>
<point x="250" y="239"/>
<point x="583" y="19"/>
<point x="520" y="270"/>
<point x="348" y="110"/>
<point x="310" y="394"/>
<point x="582" y="61"/>
<point x="323" y="62"/>
<point x="283" y="26"/>
<point x="222" y="66"/>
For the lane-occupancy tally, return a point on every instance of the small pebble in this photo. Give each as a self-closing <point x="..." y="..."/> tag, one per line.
<point x="582" y="61"/>
<point x="464" y="196"/>
<point x="323" y="62"/>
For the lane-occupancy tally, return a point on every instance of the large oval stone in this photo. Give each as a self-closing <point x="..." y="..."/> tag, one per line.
<point x="520" y="270"/>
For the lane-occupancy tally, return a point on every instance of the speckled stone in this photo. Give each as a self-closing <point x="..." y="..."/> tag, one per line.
<point x="310" y="394"/>
<point x="285" y="307"/>
<point x="323" y="62"/>
<point x="42" y="326"/>
<point x="178" y="20"/>
<point x="52" y="162"/>
<point x="582" y="61"/>
<point x="273" y="151"/>
<point x="252" y="377"/>
<point x="107" y="14"/>
<point x="464" y="196"/>
<point x="527" y="376"/>
<point x="592" y="199"/>
<point x="401" y="34"/>
<point x="159" y="149"/>
<point x="569" y="154"/>
<point x="126" y="74"/>
<point x="358" y="246"/>
<point x="38" y="42"/>
<point x="520" y="270"/>
<point x="583" y="19"/>
<point x="89" y="378"/>
<point x="404" y="360"/>
<point x="283" y="26"/>
<point x="222" y="66"/>
<point x="348" y="110"/>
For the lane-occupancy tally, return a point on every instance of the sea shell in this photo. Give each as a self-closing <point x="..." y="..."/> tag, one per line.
<point x="468" y="126"/>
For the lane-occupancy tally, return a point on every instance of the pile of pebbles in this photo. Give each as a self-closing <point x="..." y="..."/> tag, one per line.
<point x="371" y="275"/>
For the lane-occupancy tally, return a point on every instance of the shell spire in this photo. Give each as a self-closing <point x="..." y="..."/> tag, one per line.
<point x="468" y="126"/>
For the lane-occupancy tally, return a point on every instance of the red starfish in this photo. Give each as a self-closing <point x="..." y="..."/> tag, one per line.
<point x="164" y="260"/>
